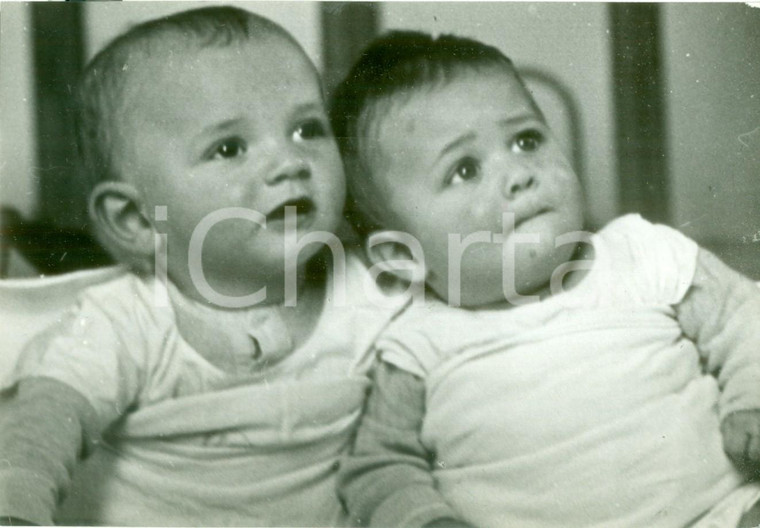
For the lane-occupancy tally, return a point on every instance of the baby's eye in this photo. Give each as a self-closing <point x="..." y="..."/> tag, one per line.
<point x="527" y="141"/>
<point x="228" y="148"/>
<point x="465" y="169"/>
<point x="310" y="129"/>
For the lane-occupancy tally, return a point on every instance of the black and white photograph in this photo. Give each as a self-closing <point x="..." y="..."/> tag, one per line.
<point x="380" y="264"/>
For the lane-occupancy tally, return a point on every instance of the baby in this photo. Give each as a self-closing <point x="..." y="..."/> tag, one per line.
<point x="204" y="390"/>
<point x="550" y="377"/>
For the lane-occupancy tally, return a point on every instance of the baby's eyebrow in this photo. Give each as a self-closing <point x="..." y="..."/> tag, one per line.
<point x="198" y="141"/>
<point x="311" y="106"/>
<point x="508" y="121"/>
<point x="456" y="142"/>
<point x="222" y="126"/>
<point x="471" y="135"/>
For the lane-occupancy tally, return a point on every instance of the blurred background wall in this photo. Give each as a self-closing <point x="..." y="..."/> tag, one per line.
<point x="658" y="105"/>
<point x="711" y="54"/>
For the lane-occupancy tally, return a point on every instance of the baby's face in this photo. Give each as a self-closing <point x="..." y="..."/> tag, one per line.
<point x="240" y="126"/>
<point x="454" y="159"/>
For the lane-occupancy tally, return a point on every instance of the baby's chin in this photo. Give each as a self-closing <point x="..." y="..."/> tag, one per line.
<point x="477" y="292"/>
<point x="495" y="297"/>
<point x="484" y="284"/>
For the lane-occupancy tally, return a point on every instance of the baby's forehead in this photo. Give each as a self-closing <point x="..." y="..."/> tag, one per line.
<point x="164" y="86"/>
<point x="173" y="50"/>
<point x="402" y="110"/>
<point x="181" y="68"/>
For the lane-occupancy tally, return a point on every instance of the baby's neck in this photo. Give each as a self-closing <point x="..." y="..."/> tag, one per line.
<point x="583" y="253"/>
<point x="232" y="289"/>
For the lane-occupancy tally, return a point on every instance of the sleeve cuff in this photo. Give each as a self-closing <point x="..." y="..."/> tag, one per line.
<point x="25" y="495"/>
<point x="740" y="393"/>
<point x="412" y="506"/>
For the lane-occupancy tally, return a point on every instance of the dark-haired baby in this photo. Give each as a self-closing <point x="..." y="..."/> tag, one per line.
<point x="551" y="377"/>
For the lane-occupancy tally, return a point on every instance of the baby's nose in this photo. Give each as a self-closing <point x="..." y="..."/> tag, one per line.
<point x="290" y="168"/>
<point x="519" y="181"/>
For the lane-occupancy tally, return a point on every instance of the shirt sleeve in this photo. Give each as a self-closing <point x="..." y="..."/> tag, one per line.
<point x="45" y="426"/>
<point x="95" y="350"/>
<point x="70" y="383"/>
<point x="721" y="313"/>
<point x="653" y="263"/>
<point x="386" y="479"/>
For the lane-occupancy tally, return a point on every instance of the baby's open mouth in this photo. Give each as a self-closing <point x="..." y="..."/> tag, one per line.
<point x="303" y="207"/>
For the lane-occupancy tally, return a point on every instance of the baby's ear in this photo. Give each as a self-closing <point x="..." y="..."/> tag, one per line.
<point x="116" y="209"/>
<point x="397" y="253"/>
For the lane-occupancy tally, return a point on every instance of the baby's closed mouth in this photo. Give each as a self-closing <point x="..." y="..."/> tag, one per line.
<point x="524" y="218"/>
<point x="305" y="208"/>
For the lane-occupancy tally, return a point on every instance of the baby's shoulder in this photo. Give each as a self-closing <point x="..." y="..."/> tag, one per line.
<point x="431" y="324"/>
<point x="429" y="334"/>
<point x="654" y="260"/>
<point x="635" y="234"/>
<point x="127" y="307"/>
<point x="124" y="293"/>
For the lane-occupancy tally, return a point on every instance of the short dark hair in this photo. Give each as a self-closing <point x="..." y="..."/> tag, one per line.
<point x="100" y="91"/>
<point x="395" y="65"/>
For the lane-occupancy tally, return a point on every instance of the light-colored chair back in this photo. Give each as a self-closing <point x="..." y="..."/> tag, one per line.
<point x="28" y="306"/>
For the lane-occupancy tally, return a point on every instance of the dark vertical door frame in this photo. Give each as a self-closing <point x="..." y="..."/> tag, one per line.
<point x="640" y="110"/>
<point x="58" y="44"/>
<point x="347" y="27"/>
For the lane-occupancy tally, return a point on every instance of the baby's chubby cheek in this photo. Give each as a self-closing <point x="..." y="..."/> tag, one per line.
<point x="482" y="215"/>
<point x="478" y="209"/>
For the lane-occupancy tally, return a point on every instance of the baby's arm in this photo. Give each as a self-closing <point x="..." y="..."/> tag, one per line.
<point x="386" y="480"/>
<point x="721" y="313"/>
<point x="45" y="426"/>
